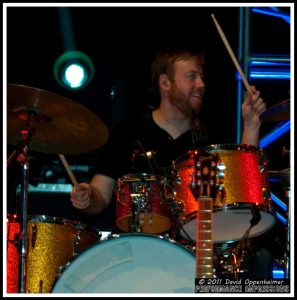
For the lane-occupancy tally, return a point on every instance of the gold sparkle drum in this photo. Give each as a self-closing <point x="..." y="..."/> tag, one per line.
<point x="52" y="242"/>
<point x="243" y="197"/>
<point x="142" y="203"/>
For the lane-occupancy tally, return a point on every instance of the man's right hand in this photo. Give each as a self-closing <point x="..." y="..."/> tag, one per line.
<point x="80" y="195"/>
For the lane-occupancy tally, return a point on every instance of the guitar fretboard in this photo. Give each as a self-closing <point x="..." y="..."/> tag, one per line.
<point x="204" y="244"/>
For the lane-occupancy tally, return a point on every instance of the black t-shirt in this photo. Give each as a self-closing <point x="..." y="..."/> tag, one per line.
<point x="141" y="146"/>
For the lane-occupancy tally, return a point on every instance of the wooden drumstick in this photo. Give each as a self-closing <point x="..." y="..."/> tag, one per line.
<point x="67" y="168"/>
<point x="247" y="86"/>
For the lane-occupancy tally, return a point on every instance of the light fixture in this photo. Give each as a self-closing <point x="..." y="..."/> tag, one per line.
<point x="73" y="70"/>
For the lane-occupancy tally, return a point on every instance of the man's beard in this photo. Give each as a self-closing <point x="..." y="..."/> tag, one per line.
<point x="183" y="104"/>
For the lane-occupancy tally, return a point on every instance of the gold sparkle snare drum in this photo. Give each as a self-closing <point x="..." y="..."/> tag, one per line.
<point x="52" y="242"/>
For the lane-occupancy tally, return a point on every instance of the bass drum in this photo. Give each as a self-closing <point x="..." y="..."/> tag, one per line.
<point x="130" y="263"/>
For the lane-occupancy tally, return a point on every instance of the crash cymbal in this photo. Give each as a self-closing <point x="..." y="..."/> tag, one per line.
<point x="277" y="112"/>
<point x="61" y="125"/>
<point x="282" y="176"/>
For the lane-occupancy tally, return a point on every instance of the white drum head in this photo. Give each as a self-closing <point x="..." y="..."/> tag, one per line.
<point x="130" y="263"/>
<point x="230" y="225"/>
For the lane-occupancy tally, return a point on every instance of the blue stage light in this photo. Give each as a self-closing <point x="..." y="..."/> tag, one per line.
<point x="275" y="134"/>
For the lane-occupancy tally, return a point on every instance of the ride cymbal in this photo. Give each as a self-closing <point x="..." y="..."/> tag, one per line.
<point x="61" y="125"/>
<point x="277" y="112"/>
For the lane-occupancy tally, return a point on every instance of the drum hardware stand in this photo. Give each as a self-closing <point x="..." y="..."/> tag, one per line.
<point x="135" y="215"/>
<point x="286" y="152"/>
<point x="23" y="159"/>
<point x="188" y="237"/>
<point x="20" y="146"/>
<point x="287" y="253"/>
<point x="240" y="248"/>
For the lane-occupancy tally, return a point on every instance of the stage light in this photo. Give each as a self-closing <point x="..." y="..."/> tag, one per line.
<point x="73" y="70"/>
<point x="281" y="218"/>
<point x="277" y="132"/>
<point x="273" y="11"/>
<point x="279" y="202"/>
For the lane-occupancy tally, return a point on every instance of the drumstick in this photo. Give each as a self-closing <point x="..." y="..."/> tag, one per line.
<point x="231" y="54"/>
<point x="67" y="168"/>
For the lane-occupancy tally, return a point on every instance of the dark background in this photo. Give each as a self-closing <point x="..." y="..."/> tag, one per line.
<point x="122" y="41"/>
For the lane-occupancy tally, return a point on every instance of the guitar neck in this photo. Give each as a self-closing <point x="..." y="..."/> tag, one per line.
<point x="204" y="243"/>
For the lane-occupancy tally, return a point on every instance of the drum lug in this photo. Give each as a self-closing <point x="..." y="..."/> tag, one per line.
<point x="15" y="240"/>
<point x="76" y="243"/>
<point x="121" y="196"/>
<point x="34" y="235"/>
<point x="262" y="164"/>
<point x="221" y="195"/>
<point x="40" y="286"/>
<point x="266" y="194"/>
<point x="177" y="208"/>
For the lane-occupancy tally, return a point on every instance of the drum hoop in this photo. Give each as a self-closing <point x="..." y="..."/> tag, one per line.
<point x="231" y="207"/>
<point x="154" y="236"/>
<point x="241" y="147"/>
<point x="241" y="205"/>
<point x="57" y="220"/>
<point x="141" y="177"/>
<point x="190" y="154"/>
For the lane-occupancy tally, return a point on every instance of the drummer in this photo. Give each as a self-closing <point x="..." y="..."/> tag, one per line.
<point x="163" y="133"/>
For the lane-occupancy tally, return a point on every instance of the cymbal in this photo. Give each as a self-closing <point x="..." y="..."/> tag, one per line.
<point x="277" y="112"/>
<point x="61" y="125"/>
<point x="282" y="176"/>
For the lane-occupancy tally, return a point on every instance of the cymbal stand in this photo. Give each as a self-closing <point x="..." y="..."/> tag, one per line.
<point x="20" y="146"/>
<point x="135" y="226"/>
<point x="23" y="159"/>
<point x="288" y="195"/>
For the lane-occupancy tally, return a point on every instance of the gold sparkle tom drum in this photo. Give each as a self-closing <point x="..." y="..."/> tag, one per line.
<point x="52" y="242"/>
<point x="238" y="181"/>
<point x="244" y="196"/>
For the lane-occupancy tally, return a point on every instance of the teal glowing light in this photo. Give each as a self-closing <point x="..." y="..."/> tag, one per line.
<point x="73" y="70"/>
<point x="75" y="75"/>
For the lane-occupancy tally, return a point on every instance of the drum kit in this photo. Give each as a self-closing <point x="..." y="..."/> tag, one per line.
<point x="220" y="195"/>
